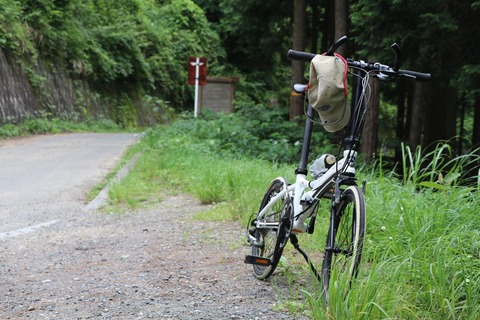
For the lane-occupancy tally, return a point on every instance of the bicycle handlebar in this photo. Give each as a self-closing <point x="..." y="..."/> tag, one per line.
<point x="389" y="71"/>
<point x="300" y="55"/>
<point x="381" y="68"/>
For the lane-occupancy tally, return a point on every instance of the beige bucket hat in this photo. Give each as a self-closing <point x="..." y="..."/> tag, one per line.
<point x="328" y="91"/>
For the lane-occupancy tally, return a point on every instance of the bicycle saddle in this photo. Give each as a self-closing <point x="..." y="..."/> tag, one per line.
<point x="300" y="88"/>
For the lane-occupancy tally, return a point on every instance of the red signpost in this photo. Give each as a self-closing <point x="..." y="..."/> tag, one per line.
<point x="197" y="76"/>
<point x="202" y="70"/>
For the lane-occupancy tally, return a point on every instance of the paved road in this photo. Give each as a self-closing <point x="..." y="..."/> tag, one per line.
<point x="58" y="261"/>
<point x="44" y="178"/>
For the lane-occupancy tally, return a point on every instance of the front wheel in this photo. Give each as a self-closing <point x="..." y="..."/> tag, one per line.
<point x="343" y="256"/>
<point x="270" y="241"/>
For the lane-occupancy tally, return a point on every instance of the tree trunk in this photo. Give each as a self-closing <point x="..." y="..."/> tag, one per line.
<point x="341" y="22"/>
<point x="416" y="116"/>
<point x="315" y="23"/>
<point x="298" y="67"/>
<point x="340" y="15"/>
<point x="402" y="112"/>
<point x="440" y="119"/>
<point x="476" y="123"/>
<point x="370" y="130"/>
<point x="328" y="24"/>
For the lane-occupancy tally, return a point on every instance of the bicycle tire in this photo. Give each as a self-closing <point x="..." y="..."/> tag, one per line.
<point x="348" y="235"/>
<point x="273" y="240"/>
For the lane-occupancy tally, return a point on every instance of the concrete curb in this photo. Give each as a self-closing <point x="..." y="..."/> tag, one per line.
<point x="102" y="197"/>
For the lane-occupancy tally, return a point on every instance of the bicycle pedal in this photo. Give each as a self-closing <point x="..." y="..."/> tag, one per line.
<point x="260" y="261"/>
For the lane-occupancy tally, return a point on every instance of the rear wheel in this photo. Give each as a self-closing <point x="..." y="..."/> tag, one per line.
<point x="270" y="241"/>
<point x="348" y="233"/>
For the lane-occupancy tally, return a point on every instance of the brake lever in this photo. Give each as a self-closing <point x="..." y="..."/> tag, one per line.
<point x="383" y="72"/>
<point x="383" y="77"/>
<point x="409" y="76"/>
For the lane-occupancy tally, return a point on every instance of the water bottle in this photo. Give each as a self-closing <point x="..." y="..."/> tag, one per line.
<point x="321" y="165"/>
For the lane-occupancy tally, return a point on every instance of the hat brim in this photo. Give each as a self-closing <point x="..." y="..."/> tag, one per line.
<point x="336" y="118"/>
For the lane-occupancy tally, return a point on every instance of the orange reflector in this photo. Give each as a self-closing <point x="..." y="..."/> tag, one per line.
<point x="257" y="260"/>
<point x="262" y="261"/>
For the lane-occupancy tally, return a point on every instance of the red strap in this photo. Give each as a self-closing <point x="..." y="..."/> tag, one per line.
<point x="345" y="72"/>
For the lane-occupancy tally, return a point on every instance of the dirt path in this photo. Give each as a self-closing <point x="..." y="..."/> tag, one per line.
<point x="154" y="264"/>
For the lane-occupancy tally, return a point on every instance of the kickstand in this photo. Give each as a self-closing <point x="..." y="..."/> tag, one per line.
<point x="294" y="242"/>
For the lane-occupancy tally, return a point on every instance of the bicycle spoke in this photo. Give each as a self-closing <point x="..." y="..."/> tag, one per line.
<point x="269" y="240"/>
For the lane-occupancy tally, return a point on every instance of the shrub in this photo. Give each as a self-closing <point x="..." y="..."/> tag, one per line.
<point x="254" y="132"/>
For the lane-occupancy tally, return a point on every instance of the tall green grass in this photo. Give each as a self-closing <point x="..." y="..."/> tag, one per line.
<point x="421" y="260"/>
<point x="440" y="167"/>
<point x="422" y="252"/>
<point x="173" y="159"/>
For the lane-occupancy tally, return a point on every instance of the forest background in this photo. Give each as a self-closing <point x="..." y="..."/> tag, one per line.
<point x="127" y="59"/>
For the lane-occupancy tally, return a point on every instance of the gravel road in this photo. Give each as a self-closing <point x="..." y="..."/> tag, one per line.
<point x="61" y="261"/>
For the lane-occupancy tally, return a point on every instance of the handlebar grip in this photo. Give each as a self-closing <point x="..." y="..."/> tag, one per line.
<point x="417" y="75"/>
<point x="300" y="55"/>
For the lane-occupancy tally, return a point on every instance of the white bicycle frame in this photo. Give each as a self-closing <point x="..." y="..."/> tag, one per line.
<point x="297" y="191"/>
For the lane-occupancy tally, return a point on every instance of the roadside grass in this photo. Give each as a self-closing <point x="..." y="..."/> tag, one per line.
<point x="422" y="251"/>
<point x="131" y="152"/>
<point x="45" y="123"/>
<point x="172" y="161"/>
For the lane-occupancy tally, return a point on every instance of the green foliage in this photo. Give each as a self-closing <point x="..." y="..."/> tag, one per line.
<point x="163" y="111"/>
<point x="254" y="132"/>
<point x="43" y="123"/>
<point x="467" y="81"/>
<point x="13" y="36"/>
<point x="413" y="24"/>
<point x="256" y="36"/>
<point x="113" y="44"/>
<point x="376" y="25"/>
